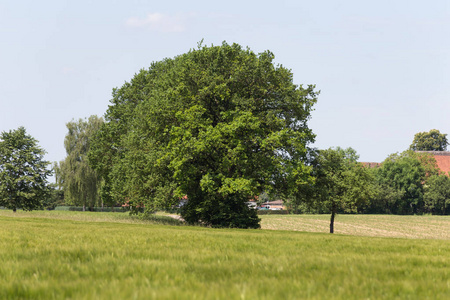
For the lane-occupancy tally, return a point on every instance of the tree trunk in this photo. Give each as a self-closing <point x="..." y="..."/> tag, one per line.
<point x="333" y="213"/>
<point x="84" y="207"/>
<point x="14" y="209"/>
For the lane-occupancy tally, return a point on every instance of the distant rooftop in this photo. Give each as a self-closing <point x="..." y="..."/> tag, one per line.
<point x="442" y="158"/>
<point x="371" y="164"/>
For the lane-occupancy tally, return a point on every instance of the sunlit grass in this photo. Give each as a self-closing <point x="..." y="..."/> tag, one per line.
<point x="422" y="227"/>
<point x="116" y="217"/>
<point x="52" y="258"/>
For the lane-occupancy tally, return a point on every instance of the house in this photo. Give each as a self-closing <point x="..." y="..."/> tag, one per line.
<point x="442" y="159"/>
<point x="183" y="201"/>
<point x="371" y="165"/>
<point x="275" y="205"/>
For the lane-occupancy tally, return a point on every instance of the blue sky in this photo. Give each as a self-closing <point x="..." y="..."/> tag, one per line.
<point x="382" y="66"/>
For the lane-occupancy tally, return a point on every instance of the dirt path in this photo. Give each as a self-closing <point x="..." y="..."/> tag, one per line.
<point x="176" y="217"/>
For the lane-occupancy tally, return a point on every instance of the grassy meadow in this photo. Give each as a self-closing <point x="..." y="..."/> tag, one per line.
<point x="76" y="255"/>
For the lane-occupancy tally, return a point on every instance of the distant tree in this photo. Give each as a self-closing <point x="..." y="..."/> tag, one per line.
<point x="384" y="198"/>
<point x="406" y="174"/>
<point x="342" y="184"/>
<point x="437" y="194"/>
<point x="23" y="171"/>
<point x="74" y="174"/>
<point x="219" y="124"/>
<point x="429" y="141"/>
<point x="55" y="197"/>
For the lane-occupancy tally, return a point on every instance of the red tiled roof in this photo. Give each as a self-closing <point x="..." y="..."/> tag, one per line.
<point x="371" y="165"/>
<point x="276" y="202"/>
<point x="442" y="159"/>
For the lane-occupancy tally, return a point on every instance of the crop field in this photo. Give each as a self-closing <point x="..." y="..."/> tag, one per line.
<point x="75" y="255"/>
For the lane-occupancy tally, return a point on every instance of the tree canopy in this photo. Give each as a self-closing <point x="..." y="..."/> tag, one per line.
<point x="219" y="124"/>
<point x="429" y="141"/>
<point x="437" y="194"/>
<point x="404" y="176"/>
<point x="79" y="181"/>
<point x="23" y="171"/>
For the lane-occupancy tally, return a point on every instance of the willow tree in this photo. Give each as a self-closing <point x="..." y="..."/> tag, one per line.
<point x="79" y="181"/>
<point x="219" y="124"/>
<point x="23" y="171"/>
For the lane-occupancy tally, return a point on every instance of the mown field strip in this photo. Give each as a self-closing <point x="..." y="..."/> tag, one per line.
<point x="419" y="227"/>
<point x="45" y="258"/>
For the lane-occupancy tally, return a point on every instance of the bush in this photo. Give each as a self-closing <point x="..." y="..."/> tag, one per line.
<point x="230" y="212"/>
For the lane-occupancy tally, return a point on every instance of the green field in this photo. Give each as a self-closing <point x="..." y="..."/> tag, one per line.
<point x="75" y="255"/>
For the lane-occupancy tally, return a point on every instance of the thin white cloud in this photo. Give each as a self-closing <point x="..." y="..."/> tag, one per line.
<point x="160" y="22"/>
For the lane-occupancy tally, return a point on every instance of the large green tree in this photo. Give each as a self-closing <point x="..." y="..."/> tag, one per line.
<point x="219" y="124"/>
<point x="342" y="184"/>
<point x="429" y="141"/>
<point x="79" y="181"/>
<point x="23" y="171"/>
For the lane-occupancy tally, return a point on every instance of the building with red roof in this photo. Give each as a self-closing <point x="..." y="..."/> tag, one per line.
<point x="442" y="159"/>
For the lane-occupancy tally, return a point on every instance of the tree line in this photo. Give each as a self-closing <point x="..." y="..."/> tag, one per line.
<point x="220" y="125"/>
<point x="404" y="183"/>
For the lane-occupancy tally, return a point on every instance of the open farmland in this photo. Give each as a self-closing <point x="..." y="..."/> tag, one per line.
<point x="52" y="258"/>
<point x="417" y="227"/>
